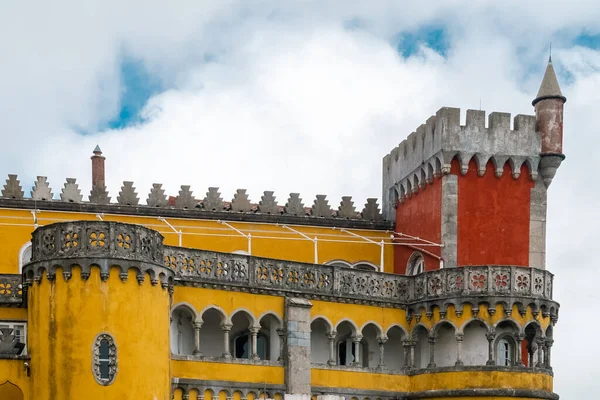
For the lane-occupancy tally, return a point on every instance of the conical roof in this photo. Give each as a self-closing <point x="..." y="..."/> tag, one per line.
<point x="549" y="87"/>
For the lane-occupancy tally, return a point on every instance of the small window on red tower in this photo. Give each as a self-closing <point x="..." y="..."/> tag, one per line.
<point x="416" y="264"/>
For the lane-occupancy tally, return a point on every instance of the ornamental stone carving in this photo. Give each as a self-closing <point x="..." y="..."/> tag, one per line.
<point x="104" y="359"/>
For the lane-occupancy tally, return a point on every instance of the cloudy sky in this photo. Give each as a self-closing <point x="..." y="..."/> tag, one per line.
<point x="304" y="96"/>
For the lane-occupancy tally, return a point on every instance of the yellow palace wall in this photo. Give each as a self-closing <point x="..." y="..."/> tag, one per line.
<point x="280" y="243"/>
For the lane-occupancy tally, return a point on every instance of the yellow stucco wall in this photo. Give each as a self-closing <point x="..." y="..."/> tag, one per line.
<point x="228" y="372"/>
<point x="200" y="299"/>
<point x="268" y="240"/>
<point x="430" y="381"/>
<point x="66" y="317"/>
<point x="13" y="371"/>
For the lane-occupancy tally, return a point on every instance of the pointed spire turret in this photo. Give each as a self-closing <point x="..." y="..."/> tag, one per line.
<point x="549" y="89"/>
<point x="549" y="105"/>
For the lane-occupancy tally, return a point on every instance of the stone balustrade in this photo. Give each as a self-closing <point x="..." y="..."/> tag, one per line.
<point x="11" y="289"/>
<point x="506" y="285"/>
<point x="94" y="240"/>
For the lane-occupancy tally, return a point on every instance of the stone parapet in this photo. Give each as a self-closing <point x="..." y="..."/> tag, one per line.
<point x="505" y="285"/>
<point x="11" y="290"/>
<point x="428" y="152"/>
<point x="211" y="205"/>
<point x="100" y="244"/>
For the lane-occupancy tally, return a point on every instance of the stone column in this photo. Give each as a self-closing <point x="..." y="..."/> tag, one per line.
<point x="459" y="341"/>
<point x="185" y="396"/>
<point x="540" y="352"/>
<point x="519" y="339"/>
<point x="548" y="362"/>
<point x="331" y="336"/>
<point x="297" y="355"/>
<point x="281" y="334"/>
<point x="431" y="340"/>
<point x="197" y="326"/>
<point x="406" y="345"/>
<point x="356" y="341"/>
<point x="491" y="336"/>
<point x="412" y="353"/>
<point x="254" y="343"/>
<point x="382" y="342"/>
<point x="532" y="349"/>
<point x="226" y="327"/>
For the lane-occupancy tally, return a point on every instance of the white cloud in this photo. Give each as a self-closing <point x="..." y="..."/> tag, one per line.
<point x="295" y="102"/>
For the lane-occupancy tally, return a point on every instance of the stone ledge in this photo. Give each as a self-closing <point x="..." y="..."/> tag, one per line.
<point x="422" y="371"/>
<point x="221" y="360"/>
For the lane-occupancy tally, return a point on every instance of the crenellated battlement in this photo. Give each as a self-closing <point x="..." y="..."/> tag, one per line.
<point x="428" y="152"/>
<point x="211" y="205"/>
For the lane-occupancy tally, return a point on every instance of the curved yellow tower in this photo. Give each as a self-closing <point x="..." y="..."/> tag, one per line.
<point x="98" y="310"/>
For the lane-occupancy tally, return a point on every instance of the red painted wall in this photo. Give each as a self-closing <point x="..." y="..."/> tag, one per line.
<point x="493" y="217"/>
<point x="421" y="216"/>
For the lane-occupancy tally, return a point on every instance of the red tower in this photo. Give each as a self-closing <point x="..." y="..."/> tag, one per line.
<point x="475" y="188"/>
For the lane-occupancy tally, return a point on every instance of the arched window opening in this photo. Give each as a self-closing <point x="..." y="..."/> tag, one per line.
<point x="182" y="331"/>
<point x="446" y="345"/>
<point x="211" y="333"/>
<point x="416" y="264"/>
<point x="320" y="334"/>
<point x="505" y="352"/>
<point x="475" y="350"/>
<point x="347" y="347"/>
<point x="370" y="346"/>
<point x="24" y="255"/>
<point x="363" y="266"/>
<point x="360" y="265"/>
<point x="393" y="349"/>
<point x="420" y="336"/>
<point x="535" y="354"/>
<point x="270" y="328"/>
<point x="242" y="346"/>
<point x="339" y="263"/>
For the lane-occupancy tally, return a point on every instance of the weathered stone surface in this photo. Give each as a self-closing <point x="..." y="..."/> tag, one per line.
<point x="185" y="198"/>
<point x="213" y="200"/>
<point x="297" y="373"/>
<point x="71" y="192"/>
<point x="321" y="207"/>
<point x="371" y="210"/>
<point x="240" y="202"/>
<point x="127" y="195"/>
<point x="157" y="196"/>
<point x="99" y="194"/>
<point x="41" y="189"/>
<point x="346" y="208"/>
<point x="268" y="204"/>
<point x="294" y="205"/>
<point x="12" y="188"/>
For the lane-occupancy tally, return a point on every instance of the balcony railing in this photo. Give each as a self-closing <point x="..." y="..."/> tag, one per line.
<point x="259" y="273"/>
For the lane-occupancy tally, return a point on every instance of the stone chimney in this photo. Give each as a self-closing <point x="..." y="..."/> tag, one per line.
<point x="98" y="169"/>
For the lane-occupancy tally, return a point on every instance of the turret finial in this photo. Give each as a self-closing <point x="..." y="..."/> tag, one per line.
<point x="97" y="150"/>
<point x="549" y="89"/>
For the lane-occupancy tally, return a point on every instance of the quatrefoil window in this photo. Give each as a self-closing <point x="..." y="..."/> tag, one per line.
<point x="71" y="240"/>
<point x="124" y="241"/>
<point x="97" y="239"/>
